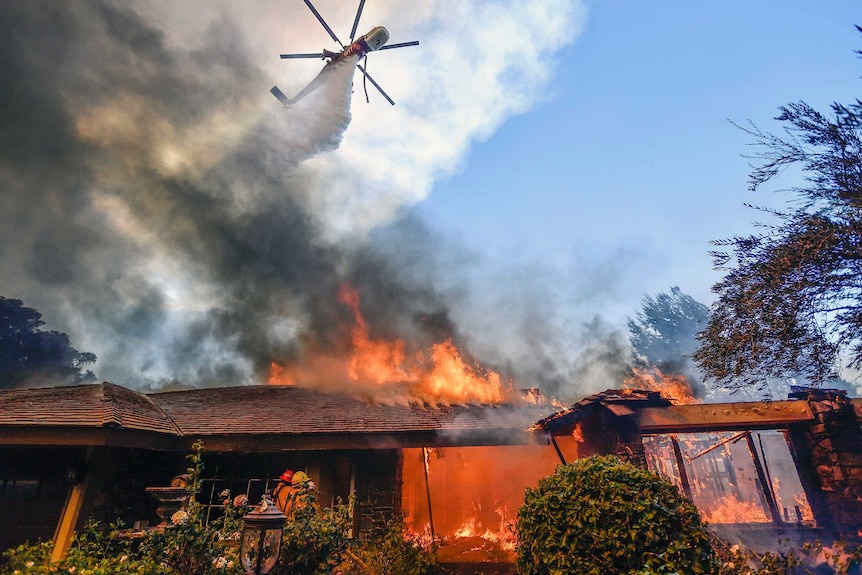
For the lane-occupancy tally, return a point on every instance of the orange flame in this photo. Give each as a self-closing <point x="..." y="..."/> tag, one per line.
<point x="578" y="433"/>
<point x="730" y="509"/>
<point x="278" y="375"/>
<point x="503" y="537"/>
<point x="437" y="375"/>
<point x="674" y="387"/>
<point x="379" y="361"/>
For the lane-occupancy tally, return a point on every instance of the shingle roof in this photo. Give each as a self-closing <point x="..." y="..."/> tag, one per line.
<point x="83" y="406"/>
<point x="246" y="410"/>
<point x="271" y="409"/>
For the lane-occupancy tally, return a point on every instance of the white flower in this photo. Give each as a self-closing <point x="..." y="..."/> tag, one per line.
<point x="29" y="564"/>
<point x="179" y="517"/>
<point x="124" y="558"/>
<point x="219" y="563"/>
<point x="224" y="494"/>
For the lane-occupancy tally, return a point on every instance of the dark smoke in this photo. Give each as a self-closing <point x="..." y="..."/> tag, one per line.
<point x="67" y="65"/>
<point x="124" y="185"/>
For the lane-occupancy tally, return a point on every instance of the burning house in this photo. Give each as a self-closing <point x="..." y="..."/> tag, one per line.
<point x="752" y="468"/>
<point x="70" y="453"/>
<point x="457" y="472"/>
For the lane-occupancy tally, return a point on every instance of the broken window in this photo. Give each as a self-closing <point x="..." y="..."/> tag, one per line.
<point x="733" y="477"/>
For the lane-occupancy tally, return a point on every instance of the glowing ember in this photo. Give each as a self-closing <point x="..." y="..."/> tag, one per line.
<point x="674" y="387"/>
<point x="436" y="375"/>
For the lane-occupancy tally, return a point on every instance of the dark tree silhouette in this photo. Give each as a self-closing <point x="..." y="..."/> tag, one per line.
<point x="790" y="303"/>
<point x="32" y="357"/>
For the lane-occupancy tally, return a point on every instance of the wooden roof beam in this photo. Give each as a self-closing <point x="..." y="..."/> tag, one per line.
<point x="723" y="416"/>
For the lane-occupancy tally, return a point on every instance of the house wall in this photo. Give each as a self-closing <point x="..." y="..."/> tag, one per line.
<point x="828" y="454"/>
<point x="36" y="484"/>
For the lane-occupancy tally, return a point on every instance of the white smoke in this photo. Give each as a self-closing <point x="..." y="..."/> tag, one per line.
<point x="478" y="63"/>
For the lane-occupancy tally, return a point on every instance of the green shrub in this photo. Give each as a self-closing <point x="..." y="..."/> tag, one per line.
<point x="602" y="516"/>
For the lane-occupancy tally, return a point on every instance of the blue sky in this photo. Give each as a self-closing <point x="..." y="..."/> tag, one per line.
<point x="630" y="160"/>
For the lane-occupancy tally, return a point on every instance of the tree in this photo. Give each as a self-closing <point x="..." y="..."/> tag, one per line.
<point x="31" y="356"/>
<point x="663" y="334"/>
<point x="791" y="301"/>
<point x="599" y="515"/>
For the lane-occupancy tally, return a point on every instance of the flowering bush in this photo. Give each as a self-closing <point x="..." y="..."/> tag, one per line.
<point x="839" y="558"/>
<point x="314" y="539"/>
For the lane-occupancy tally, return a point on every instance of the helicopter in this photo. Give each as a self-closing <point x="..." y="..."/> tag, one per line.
<point x="359" y="48"/>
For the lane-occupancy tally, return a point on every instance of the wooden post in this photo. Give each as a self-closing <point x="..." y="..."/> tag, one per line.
<point x="557" y="447"/>
<point x="65" y="531"/>
<point x="425" y="462"/>
<point x="766" y="488"/>
<point x="680" y="464"/>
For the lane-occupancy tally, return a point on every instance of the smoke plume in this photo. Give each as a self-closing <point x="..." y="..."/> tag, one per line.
<point x="164" y="210"/>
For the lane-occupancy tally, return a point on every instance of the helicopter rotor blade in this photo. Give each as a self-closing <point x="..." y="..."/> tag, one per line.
<point x="356" y="21"/>
<point x="291" y="56"/>
<point x="400" y="45"/>
<point x="373" y="83"/>
<point x="323" y="22"/>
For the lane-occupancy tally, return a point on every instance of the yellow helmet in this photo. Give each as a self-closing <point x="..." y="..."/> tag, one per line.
<point x="299" y="477"/>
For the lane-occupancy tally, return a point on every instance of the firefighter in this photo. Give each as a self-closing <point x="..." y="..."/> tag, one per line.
<point x="301" y="480"/>
<point x="282" y="495"/>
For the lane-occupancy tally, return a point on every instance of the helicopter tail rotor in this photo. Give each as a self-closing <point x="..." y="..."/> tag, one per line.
<point x="280" y="96"/>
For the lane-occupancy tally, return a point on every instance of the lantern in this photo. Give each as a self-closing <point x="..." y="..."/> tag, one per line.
<point x="261" y="538"/>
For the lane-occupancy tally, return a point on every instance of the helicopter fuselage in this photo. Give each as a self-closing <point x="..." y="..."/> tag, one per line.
<point x="373" y="40"/>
